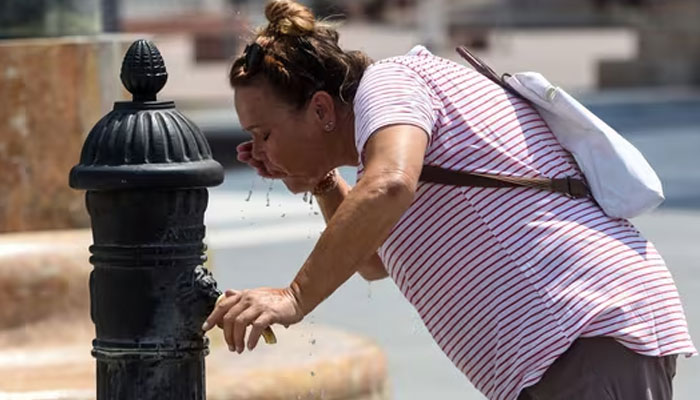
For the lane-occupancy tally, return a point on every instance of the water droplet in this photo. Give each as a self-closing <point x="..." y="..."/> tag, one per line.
<point x="306" y="197"/>
<point x="269" y="189"/>
<point x="283" y="215"/>
<point x="315" y="212"/>
<point x="369" y="290"/>
<point x="312" y="341"/>
<point x="313" y="373"/>
<point x="252" y="187"/>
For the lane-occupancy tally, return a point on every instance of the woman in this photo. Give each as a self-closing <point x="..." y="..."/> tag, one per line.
<point x="530" y="293"/>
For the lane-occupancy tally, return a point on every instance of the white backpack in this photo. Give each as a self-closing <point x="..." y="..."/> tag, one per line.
<point x="618" y="176"/>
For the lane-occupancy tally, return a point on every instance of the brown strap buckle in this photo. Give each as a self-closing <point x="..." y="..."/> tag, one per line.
<point x="574" y="188"/>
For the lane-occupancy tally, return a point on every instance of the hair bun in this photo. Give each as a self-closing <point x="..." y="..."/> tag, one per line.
<point x="289" y="18"/>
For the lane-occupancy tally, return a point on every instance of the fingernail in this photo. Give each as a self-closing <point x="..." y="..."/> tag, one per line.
<point x="230" y="348"/>
<point x="205" y="326"/>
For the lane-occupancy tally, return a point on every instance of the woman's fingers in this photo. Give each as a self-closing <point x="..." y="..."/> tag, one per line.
<point x="228" y="293"/>
<point x="229" y="322"/>
<point x="244" y="157"/>
<point x="245" y="147"/>
<point x="240" y="327"/>
<point x="258" y="326"/>
<point x="259" y="167"/>
<point x="273" y="175"/>
<point x="257" y="164"/>
<point x="223" y="304"/>
<point x="258" y="308"/>
<point x="244" y="154"/>
<point x="244" y="151"/>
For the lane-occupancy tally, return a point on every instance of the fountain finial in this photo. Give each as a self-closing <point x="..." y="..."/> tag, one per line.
<point x="143" y="71"/>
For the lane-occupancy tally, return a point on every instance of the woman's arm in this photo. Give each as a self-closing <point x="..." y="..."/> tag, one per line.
<point x="373" y="268"/>
<point x="360" y="224"/>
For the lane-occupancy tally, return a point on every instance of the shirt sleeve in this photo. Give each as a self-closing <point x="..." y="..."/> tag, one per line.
<point x="391" y="93"/>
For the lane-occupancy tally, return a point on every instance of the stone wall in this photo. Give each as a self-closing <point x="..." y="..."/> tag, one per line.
<point x="52" y="91"/>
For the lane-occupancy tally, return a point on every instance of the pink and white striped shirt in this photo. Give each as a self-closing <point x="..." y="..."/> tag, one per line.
<point x="505" y="279"/>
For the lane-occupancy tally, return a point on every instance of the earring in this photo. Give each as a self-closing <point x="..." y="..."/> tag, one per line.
<point x="329" y="126"/>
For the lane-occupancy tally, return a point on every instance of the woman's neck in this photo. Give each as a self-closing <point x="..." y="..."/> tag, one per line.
<point x="343" y="142"/>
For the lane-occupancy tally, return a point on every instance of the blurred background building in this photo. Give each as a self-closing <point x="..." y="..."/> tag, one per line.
<point x="586" y="46"/>
<point x="582" y="45"/>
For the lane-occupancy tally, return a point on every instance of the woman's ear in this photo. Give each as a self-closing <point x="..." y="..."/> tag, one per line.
<point x="323" y="109"/>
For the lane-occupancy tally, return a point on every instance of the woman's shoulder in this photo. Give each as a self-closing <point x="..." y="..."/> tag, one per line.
<point x="416" y="55"/>
<point x="411" y="72"/>
<point x="418" y="60"/>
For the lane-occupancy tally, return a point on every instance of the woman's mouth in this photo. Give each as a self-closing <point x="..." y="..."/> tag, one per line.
<point x="274" y="170"/>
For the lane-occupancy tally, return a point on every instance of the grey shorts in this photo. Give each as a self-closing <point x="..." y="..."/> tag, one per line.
<point x="600" y="368"/>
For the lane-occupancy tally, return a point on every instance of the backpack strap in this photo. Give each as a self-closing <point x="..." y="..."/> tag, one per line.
<point x="574" y="188"/>
<point x="483" y="68"/>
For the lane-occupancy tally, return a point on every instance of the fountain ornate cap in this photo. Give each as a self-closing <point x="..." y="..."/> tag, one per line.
<point x="145" y="143"/>
<point x="143" y="71"/>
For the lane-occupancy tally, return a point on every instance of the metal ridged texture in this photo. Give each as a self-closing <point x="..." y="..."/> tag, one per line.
<point x="145" y="143"/>
<point x="143" y="71"/>
<point x="125" y="137"/>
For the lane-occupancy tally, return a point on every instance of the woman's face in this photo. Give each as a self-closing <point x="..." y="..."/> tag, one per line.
<point x="287" y="140"/>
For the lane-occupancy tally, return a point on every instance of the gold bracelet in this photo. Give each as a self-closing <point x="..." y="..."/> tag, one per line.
<point x="328" y="183"/>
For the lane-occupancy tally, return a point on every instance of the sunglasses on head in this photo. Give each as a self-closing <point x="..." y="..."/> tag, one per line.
<point x="254" y="54"/>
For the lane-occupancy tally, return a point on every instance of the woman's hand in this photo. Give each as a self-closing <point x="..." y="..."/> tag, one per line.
<point x="300" y="184"/>
<point x="315" y="185"/>
<point x="258" y="308"/>
<point x="295" y="184"/>
<point x="244" y="154"/>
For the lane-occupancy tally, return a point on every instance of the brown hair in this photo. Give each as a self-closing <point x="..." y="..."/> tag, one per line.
<point x="299" y="56"/>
